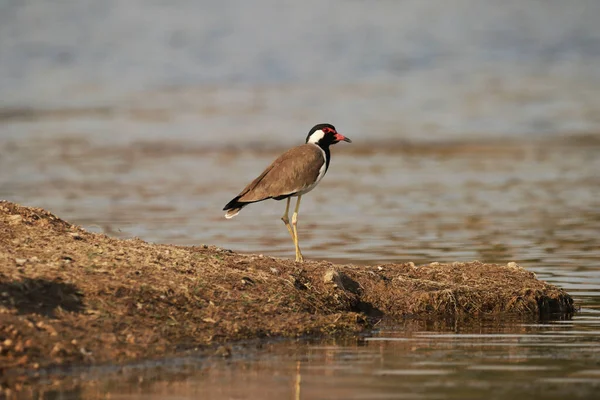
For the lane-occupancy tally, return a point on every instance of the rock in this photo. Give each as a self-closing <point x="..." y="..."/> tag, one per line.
<point x="223" y="351"/>
<point x="15" y="219"/>
<point x="332" y="276"/>
<point x="76" y="236"/>
<point x="247" y="281"/>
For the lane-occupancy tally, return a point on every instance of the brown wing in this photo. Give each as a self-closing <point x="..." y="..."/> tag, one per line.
<point x="293" y="171"/>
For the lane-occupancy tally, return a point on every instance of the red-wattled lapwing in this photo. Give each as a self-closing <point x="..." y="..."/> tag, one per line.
<point x="295" y="173"/>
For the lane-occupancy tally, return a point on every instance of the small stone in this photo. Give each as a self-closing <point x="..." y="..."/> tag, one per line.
<point x="332" y="276"/>
<point x="411" y="264"/>
<point x="20" y="261"/>
<point x="15" y="219"/>
<point x="274" y="270"/>
<point x="223" y="351"/>
<point x="380" y="268"/>
<point x="247" y="281"/>
<point x="435" y="264"/>
<point x="512" y="264"/>
<point x="83" y="351"/>
<point x="76" y="236"/>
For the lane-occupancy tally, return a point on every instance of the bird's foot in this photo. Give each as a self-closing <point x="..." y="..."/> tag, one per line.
<point x="299" y="257"/>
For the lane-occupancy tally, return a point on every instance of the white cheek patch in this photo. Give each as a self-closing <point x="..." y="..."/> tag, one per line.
<point x="316" y="136"/>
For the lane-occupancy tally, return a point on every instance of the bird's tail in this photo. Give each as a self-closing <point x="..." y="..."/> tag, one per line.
<point x="232" y="212"/>
<point x="233" y="208"/>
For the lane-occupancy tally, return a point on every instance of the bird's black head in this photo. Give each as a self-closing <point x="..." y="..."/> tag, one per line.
<point x="325" y="135"/>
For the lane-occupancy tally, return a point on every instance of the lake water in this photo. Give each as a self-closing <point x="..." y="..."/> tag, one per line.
<point x="475" y="136"/>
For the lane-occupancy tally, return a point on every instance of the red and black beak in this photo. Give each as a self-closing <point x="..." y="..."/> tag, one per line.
<point x="339" y="138"/>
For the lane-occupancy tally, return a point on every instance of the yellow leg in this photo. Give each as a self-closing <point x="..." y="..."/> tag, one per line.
<point x="286" y="219"/>
<point x="299" y="257"/>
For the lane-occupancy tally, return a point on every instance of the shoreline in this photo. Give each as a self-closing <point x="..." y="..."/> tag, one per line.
<point x="70" y="297"/>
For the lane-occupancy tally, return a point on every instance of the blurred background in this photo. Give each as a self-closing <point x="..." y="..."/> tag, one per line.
<point x="475" y="123"/>
<point x="476" y="135"/>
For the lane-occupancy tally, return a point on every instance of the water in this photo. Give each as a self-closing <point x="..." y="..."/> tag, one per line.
<point x="415" y="360"/>
<point x="474" y="127"/>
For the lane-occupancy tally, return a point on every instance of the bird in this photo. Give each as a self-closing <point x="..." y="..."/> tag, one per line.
<point x="293" y="174"/>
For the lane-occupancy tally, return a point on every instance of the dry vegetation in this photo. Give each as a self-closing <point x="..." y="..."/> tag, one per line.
<point x="68" y="296"/>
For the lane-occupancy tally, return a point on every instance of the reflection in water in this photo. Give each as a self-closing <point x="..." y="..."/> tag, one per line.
<point x="414" y="360"/>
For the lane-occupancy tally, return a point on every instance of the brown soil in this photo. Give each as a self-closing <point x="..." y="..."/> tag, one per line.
<point x="68" y="296"/>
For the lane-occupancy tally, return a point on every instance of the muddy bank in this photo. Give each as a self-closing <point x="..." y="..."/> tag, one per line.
<point x="68" y="296"/>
